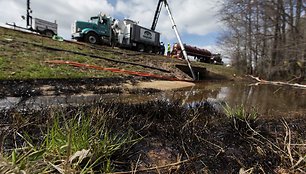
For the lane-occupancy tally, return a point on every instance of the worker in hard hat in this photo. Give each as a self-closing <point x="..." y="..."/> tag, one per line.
<point x="162" y="48"/>
<point x="168" y="50"/>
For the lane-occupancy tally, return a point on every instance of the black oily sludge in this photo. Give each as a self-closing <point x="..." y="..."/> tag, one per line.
<point x="190" y="131"/>
<point x="29" y="88"/>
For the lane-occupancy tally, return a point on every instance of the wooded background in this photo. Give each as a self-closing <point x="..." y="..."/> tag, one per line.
<point x="266" y="38"/>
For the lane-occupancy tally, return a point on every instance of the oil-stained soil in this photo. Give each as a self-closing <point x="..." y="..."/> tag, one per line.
<point x="47" y="87"/>
<point x="183" y="139"/>
<point x="55" y="87"/>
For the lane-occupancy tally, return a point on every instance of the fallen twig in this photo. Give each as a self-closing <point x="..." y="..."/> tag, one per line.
<point x="161" y="167"/>
<point x="260" y="81"/>
<point x="264" y="138"/>
<point x="287" y="141"/>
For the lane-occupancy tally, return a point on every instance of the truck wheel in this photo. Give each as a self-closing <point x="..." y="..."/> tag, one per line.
<point x="141" y="48"/>
<point x="149" y="49"/>
<point x="48" y="33"/>
<point x="92" y="38"/>
<point x="156" y="50"/>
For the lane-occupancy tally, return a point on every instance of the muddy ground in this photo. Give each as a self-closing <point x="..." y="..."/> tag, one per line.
<point x="45" y="87"/>
<point x="56" y="87"/>
<point x="40" y="87"/>
<point x="178" y="138"/>
<point x="182" y="138"/>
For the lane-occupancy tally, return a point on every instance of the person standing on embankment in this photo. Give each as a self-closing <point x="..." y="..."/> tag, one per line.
<point x="168" y="50"/>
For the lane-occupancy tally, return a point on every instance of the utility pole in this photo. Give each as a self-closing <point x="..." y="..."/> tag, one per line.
<point x="29" y="17"/>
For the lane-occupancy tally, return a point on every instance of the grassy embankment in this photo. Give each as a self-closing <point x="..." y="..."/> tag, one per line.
<point x="22" y="56"/>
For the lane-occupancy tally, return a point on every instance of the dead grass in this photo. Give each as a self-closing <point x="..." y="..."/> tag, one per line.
<point x="175" y="138"/>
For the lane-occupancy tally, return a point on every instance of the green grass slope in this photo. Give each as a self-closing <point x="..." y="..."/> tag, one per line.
<point x="24" y="55"/>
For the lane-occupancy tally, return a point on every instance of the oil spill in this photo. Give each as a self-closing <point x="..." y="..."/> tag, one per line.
<point x="269" y="101"/>
<point x="31" y="88"/>
<point x="172" y="132"/>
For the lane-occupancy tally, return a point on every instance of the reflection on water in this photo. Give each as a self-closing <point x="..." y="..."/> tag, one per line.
<point x="268" y="100"/>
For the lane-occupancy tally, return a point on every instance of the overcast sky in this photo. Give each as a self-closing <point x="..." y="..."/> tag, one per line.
<point x="197" y="20"/>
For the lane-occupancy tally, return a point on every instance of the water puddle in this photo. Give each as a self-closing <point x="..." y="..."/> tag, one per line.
<point x="268" y="100"/>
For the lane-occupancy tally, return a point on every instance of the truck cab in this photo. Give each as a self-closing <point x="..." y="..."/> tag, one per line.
<point x="122" y="33"/>
<point x="94" y="31"/>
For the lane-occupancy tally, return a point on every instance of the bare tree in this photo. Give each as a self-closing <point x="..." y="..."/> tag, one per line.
<point x="267" y="37"/>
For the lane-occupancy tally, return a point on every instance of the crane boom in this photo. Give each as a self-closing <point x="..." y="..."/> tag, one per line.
<point x="157" y="13"/>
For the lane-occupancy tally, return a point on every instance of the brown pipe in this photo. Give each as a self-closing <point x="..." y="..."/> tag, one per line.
<point x="191" y="51"/>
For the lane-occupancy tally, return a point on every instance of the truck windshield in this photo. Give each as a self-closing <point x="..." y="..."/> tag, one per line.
<point x="94" y="20"/>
